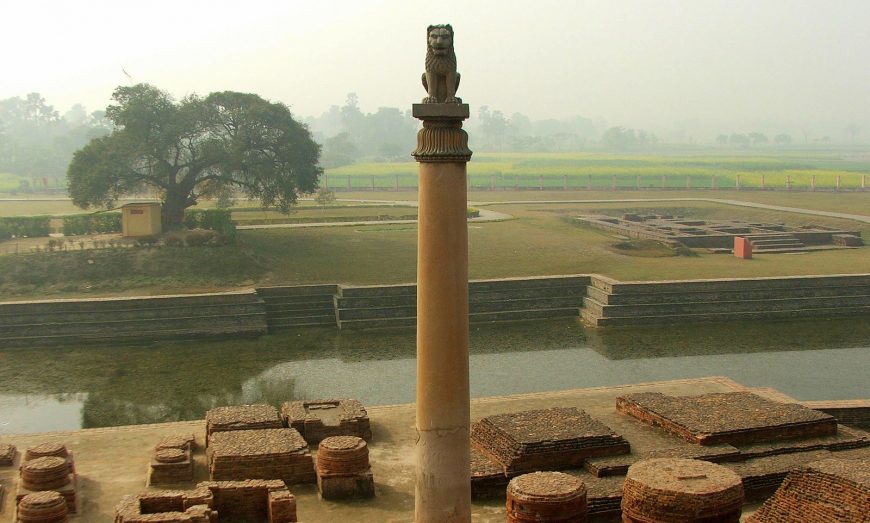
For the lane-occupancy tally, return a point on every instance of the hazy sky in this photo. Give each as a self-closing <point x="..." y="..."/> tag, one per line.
<point x="634" y="63"/>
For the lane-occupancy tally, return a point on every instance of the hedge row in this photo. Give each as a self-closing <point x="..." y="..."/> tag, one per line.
<point x="99" y="223"/>
<point x="219" y="220"/>
<point x="24" y="226"/>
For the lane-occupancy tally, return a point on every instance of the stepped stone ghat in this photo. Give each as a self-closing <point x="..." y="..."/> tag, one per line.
<point x="718" y="235"/>
<point x="599" y="300"/>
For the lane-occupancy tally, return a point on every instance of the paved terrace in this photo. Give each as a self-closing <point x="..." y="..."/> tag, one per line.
<point x="112" y="462"/>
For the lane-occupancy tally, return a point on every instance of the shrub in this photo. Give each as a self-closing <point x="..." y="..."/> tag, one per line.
<point x="472" y="212"/>
<point x="324" y="196"/>
<point x="25" y="226"/>
<point x="147" y="241"/>
<point x="200" y="237"/>
<point x="98" y="223"/>
<point x="173" y="239"/>
<point x="219" y="220"/>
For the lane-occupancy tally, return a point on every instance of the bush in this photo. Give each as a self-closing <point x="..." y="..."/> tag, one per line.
<point x="173" y="239"/>
<point x="147" y="241"/>
<point x="25" y="226"/>
<point x="98" y="223"/>
<point x="472" y="212"/>
<point x="200" y="237"/>
<point x="218" y="220"/>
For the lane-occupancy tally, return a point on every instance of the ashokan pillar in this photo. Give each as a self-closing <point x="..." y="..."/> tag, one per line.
<point x="443" y="485"/>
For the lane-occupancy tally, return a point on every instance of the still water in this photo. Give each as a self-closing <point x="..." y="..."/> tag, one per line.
<point x="75" y="387"/>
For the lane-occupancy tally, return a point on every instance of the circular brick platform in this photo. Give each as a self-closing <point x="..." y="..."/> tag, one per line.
<point x="170" y="455"/>
<point x="546" y="497"/>
<point x="46" y="449"/>
<point x="342" y="455"/>
<point x="684" y="490"/>
<point x="46" y="473"/>
<point x="43" y="507"/>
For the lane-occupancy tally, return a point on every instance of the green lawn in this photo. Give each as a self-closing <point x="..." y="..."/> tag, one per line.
<point x="540" y="241"/>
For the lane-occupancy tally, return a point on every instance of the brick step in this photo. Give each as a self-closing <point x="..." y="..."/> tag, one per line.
<point x="297" y="290"/>
<point x="474" y="297"/>
<point x="675" y="286"/>
<point x="776" y="244"/>
<point x="301" y="321"/>
<point x="120" y="326"/>
<point x="302" y="313"/>
<point x="474" y="308"/>
<point x="728" y="295"/>
<point x="291" y="308"/>
<point x="167" y="313"/>
<point x="599" y="321"/>
<point x="407" y="321"/>
<point x="474" y="286"/>
<point x="130" y="304"/>
<point x="724" y="306"/>
<point x="121" y="338"/>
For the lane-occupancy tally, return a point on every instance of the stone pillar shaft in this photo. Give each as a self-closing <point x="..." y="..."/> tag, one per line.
<point x="443" y="482"/>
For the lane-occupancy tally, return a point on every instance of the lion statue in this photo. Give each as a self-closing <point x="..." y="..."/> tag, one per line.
<point x="440" y="79"/>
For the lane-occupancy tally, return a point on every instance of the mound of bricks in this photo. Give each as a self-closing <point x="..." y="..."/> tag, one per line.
<point x="167" y="506"/>
<point x="546" y="497"/>
<point x="7" y="454"/>
<point x="51" y="449"/>
<point x="48" y="467"/>
<point x="172" y="460"/>
<point x="43" y="507"/>
<point x="260" y="454"/>
<point x="847" y="240"/>
<point x="343" y="469"/>
<point x="317" y="420"/>
<point x="825" y="491"/>
<point x="488" y="479"/>
<point x="603" y="497"/>
<point x="762" y="476"/>
<point x="730" y="417"/>
<point x="618" y="465"/>
<point x="548" y="439"/>
<point x="685" y="490"/>
<point x="252" y="500"/>
<point x="845" y="438"/>
<point x="240" y="417"/>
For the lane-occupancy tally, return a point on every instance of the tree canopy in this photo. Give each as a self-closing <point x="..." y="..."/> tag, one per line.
<point x="194" y="148"/>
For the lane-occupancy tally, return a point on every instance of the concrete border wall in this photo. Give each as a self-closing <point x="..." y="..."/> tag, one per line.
<point x="613" y="302"/>
<point x="601" y="301"/>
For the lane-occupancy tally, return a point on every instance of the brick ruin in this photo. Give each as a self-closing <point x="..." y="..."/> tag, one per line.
<point x="260" y="454"/>
<point x="251" y="500"/>
<point x="547" y="439"/>
<point x="240" y="417"/>
<point x="43" y="507"/>
<point x="7" y="454"/>
<point x="718" y="235"/>
<point x="689" y="417"/>
<point x="763" y="447"/>
<point x="825" y="491"/>
<point x="172" y="460"/>
<point x="317" y="420"/>
<point x="343" y="469"/>
<point x="686" y="490"/>
<point x="545" y="497"/>
<point x="48" y="467"/>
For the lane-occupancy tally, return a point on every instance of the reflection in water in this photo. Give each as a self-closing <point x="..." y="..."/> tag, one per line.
<point x="66" y="388"/>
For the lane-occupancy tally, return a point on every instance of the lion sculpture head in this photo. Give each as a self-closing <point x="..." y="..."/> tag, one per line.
<point x="440" y="56"/>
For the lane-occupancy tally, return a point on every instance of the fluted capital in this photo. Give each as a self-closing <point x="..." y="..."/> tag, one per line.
<point x="442" y="138"/>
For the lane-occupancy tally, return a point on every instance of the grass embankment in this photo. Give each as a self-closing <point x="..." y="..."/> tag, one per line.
<point x="599" y="170"/>
<point x="542" y="240"/>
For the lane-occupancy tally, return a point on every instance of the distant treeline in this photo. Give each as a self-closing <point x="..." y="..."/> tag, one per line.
<point x="37" y="143"/>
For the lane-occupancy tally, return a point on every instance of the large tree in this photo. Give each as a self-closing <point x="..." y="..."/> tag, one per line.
<point x="193" y="148"/>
